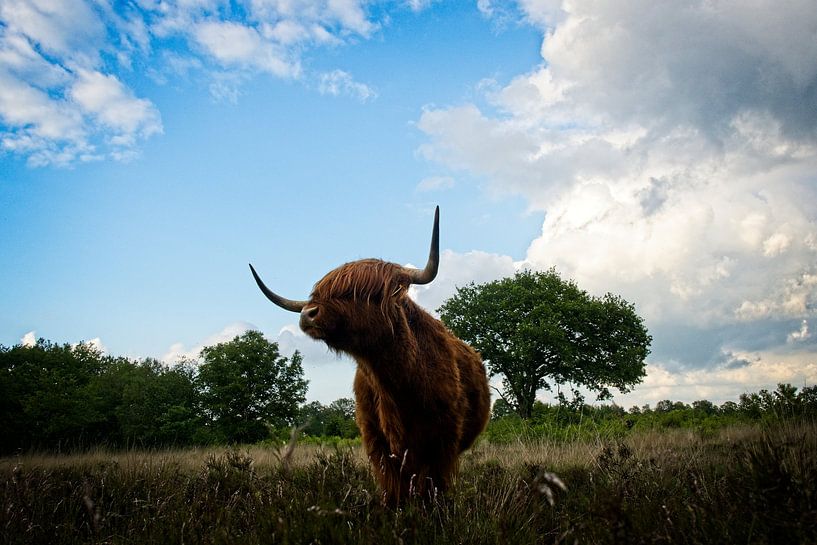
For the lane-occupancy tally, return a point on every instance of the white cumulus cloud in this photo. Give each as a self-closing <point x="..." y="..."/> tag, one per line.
<point x="65" y="96"/>
<point x="178" y="351"/>
<point x="236" y="44"/>
<point x="457" y="270"/>
<point x="95" y="343"/>
<point x="59" y="103"/>
<point x="29" y="339"/>
<point x="753" y="372"/>
<point x="113" y="105"/>
<point x="673" y="148"/>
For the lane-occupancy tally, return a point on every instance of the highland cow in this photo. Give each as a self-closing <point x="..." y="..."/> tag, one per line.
<point x="421" y="393"/>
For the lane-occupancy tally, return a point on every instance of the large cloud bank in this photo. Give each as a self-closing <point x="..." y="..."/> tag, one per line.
<point x="673" y="148"/>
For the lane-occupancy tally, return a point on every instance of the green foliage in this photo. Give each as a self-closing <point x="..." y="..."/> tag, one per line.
<point x="59" y="397"/>
<point x="44" y="394"/>
<point x="335" y="420"/>
<point x="538" y="330"/>
<point x="501" y="408"/>
<point x="559" y="423"/>
<point x="158" y="405"/>
<point x="247" y="386"/>
<point x="562" y="423"/>
<point x="63" y="397"/>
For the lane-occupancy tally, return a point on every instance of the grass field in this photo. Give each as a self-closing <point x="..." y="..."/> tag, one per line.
<point x="739" y="485"/>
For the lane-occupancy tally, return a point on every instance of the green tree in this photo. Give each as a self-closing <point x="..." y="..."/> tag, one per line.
<point x="44" y="401"/>
<point x="729" y="407"/>
<point x="539" y="331"/>
<point x="750" y="405"/>
<point x="159" y="405"/>
<point x="312" y="418"/>
<point x="336" y="419"/>
<point x="808" y="400"/>
<point x="786" y="401"/>
<point x="340" y="418"/>
<point x="664" y="406"/>
<point x="501" y="409"/>
<point x="705" y="406"/>
<point x="247" y="386"/>
<point x="105" y="392"/>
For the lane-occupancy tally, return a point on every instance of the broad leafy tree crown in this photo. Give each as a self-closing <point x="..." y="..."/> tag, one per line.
<point x="537" y="330"/>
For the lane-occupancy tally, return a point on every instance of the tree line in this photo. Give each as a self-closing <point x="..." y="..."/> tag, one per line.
<point x="66" y="396"/>
<point x="61" y="397"/>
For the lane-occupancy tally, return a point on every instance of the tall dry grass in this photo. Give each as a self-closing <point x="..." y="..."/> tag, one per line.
<point x="186" y="459"/>
<point x="561" y="454"/>
<point x="748" y="484"/>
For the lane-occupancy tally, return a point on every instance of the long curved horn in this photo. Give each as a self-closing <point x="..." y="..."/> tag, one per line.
<point x="283" y="302"/>
<point x="427" y="275"/>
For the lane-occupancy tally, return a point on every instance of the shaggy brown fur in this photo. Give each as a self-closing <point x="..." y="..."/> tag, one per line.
<point x="422" y="394"/>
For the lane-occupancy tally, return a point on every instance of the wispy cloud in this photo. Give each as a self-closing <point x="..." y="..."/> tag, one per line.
<point x="436" y="183"/>
<point x="800" y="335"/>
<point x="418" y="5"/>
<point x="338" y="82"/>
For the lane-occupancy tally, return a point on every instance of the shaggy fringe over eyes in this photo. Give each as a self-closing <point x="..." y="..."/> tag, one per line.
<point x="365" y="280"/>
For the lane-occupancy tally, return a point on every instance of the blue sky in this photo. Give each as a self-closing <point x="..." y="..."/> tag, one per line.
<point x="148" y="151"/>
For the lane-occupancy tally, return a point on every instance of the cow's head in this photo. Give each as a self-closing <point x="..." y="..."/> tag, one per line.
<point x="358" y="304"/>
